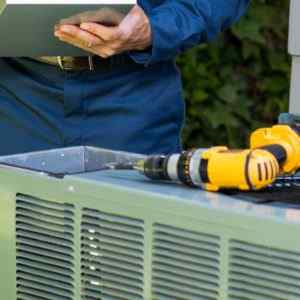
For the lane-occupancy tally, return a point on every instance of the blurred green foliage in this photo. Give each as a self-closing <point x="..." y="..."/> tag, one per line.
<point x="239" y="82"/>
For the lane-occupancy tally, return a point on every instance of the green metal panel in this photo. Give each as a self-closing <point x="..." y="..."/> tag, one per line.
<point x="133" y="239"/>
<point x="7" y="245"/>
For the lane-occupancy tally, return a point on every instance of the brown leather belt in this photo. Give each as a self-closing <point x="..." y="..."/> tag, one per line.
<point x="82" y="63"/>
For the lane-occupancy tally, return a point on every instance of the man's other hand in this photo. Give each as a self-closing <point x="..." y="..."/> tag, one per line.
<point x="133" y="33"/>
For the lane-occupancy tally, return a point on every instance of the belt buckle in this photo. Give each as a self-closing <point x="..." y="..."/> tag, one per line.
<point x="60" y="62"/>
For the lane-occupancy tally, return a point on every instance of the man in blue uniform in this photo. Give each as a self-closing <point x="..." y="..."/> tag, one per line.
<point x="127" y="95"/>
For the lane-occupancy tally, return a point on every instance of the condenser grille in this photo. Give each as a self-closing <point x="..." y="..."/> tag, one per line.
<point x="44" y="243"/>
<point x="112" y="251"/>
<point x="263" y="273"/>
<point x="185" y="264"/>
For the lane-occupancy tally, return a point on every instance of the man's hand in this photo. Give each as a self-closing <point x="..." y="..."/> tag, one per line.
<point x="133" y="33"/>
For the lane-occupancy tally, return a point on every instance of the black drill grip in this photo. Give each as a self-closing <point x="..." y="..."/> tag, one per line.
<point x="277" y="151"/>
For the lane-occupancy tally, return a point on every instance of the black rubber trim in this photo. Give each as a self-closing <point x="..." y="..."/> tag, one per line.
<point x="247" y="171"/>
<point x="272" y="170"/>
<point x="259" y="172"/>
<point x="267" y="171"/>
<point x="277" y="151"/>
<point x="165" y="167"/>
<point x="203" y="169"/>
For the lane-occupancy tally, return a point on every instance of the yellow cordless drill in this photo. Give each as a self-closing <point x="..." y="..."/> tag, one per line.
<point x="273" y="151"/>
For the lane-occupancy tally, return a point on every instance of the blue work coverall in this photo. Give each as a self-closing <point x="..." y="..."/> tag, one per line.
<point x="134" y="107"/>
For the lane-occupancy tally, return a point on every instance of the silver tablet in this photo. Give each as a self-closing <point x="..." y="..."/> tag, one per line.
<point x="27" y="26"/>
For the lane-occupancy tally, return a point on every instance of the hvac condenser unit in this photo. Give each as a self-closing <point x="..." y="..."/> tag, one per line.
<point x="69" y="231"/>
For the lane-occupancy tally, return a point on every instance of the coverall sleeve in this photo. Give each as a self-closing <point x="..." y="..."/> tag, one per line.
<point x="181" y="24"/>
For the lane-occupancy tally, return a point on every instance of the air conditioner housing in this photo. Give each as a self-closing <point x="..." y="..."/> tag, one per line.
<point x="114" y="235"/>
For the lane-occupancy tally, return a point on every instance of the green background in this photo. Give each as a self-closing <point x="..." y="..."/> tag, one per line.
<point x="240" y="81"/>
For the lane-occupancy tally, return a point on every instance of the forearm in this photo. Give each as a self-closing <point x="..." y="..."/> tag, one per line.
<point x="182" y="24"/>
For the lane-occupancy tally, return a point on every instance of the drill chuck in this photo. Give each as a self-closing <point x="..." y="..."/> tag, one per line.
<point x="186" y="167"/>
<point x="154" y="167"/>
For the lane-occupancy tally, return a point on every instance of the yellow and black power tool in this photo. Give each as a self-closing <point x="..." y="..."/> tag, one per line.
<point x="273" y="151"/>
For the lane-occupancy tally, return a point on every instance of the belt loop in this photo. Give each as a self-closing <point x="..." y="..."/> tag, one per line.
<point x="91" y="63"/>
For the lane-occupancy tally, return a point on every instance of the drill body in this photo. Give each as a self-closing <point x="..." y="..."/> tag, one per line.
<point x="273" y="151"/>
